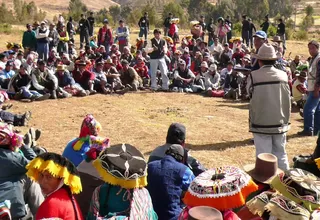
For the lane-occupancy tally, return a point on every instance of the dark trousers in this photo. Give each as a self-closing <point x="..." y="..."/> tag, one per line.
<point x="84" y="36"/>
<point x="245" y="37"/>
<point x="143" y="31"/>
<point x="251" y="39"/>
<point x="11" y="118"/>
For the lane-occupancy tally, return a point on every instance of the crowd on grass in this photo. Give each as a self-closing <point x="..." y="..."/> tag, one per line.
<point x="96" y="179"/>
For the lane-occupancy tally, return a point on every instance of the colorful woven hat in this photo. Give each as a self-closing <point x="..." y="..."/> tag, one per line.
<point x="222" y="188"/>
<point x="122" y="165"/>
<point x="300" y="186"/>
<point x="89" y="126"/>
<point x="57" y="166"/>
<point x="9" y="138"/>
<point x="278" y="207"/>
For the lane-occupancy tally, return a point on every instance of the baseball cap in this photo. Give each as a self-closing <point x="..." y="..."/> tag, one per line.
<point x="106" y="21"/>
<point x="261" y="34"/>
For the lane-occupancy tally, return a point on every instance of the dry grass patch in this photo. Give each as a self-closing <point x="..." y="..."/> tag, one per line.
<point x="217" y="130"/>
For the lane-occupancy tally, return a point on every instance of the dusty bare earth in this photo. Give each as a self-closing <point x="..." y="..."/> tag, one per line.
<point x="217" y="130"/>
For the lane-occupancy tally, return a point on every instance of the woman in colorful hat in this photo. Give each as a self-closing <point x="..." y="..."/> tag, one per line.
<point x="59" y="180"/>
<point x="123" y="195"/>
<point x="89" y="131"/>
<point x="223" y="188"/>
<point x="14" y="184"/>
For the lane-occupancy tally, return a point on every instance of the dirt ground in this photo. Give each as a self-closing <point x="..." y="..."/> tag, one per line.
<point x="217" y="130"/>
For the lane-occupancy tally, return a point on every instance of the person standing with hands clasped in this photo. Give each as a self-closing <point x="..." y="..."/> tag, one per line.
<point x="157" y="60"/>
<point x="270" y="106"/>
<point x="144" y="26"/>
<point x="311" y="111"/>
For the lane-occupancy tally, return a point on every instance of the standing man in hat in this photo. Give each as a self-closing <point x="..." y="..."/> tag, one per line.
<point x="91" y="23"/>
<point x="229" y="23"/>
<point x="123" y="34"/>
<point x="260" y="37"/>
<point x="270" y="106"/>
<point x="252" y="29"/>
<point x="281" y="31"/>
<point x="144" y="26"/>
<point x="311" y="111"/>
<point x="71" y="30"/>
<point x="245" y="30"/>
<point x="105" y="36"/>
<point x="84" y="27"/>
<point x="168" y="180"/>
<point x="157" y="60"/>
<point x="167" y="24"/>
<point x="29" y="40"/>
<point x="53" y="37"/>
<point x="265" y="25"/>
<point x="42" y="35"/>
<point x="203" y="25"/>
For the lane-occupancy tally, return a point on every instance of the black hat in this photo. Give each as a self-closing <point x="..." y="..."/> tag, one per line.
<point x="9" y="63"/>
<point x="157" y="31"/>
<point x="2" y="55"/>
<point x="176" y="151"/>
<point x="41" y="62"/>
<point x="176" y="134"/>
<point x="121" y="21"/>
<point x="87" y="47"/>
<point x="124" y="62"/>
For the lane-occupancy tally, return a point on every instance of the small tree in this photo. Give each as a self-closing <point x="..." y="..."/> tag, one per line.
<point x="308" y="20"/>
<point x="177" y="11"/>
<point x="76" y="8"/>
<point x="115" y="12"/>
<point x="125" y="12"/>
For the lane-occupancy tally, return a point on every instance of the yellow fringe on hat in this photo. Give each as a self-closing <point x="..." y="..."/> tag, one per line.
<point x="256" y="206"/>
<point x="117" y="181"/>
<point x="279" y="213"/>
<point x="317" y="162"/>
<point x="38" y="165"/>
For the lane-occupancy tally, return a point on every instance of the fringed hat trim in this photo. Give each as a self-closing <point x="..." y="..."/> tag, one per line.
<point x="222" y="203"/>
<point x="292" y="194"/>
<point x="39" y="165"/>
<point x="113" y="180"/>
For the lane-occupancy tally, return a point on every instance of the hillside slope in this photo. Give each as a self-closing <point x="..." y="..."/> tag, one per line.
<point x="58" y="6"/>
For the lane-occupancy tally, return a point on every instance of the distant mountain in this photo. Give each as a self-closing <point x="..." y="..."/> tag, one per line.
<point x="58" y="6"/>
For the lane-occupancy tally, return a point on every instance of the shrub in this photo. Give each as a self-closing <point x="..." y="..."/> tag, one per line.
<point x="236" y="30"/>
<point x="289" y="33"/>
<point x="301" y="35"/>
<point x="272" y="31"/>
<point x="5" y="28"/>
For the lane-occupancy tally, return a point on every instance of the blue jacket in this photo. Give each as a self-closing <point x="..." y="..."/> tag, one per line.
<point x="165" y="185"/>
<point x="13" y="168"/>
<point x="65" y="80"/>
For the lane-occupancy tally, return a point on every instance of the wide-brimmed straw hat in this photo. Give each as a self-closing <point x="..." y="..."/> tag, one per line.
<point x="266" y="52"/>
<point x="61" y="67"/>
<point x="122" y="165"/>
<point x="277" y="39"/>
<point x="204" y="212"/>
<point x="265" y="168"/>
<point x="59" y="167"/>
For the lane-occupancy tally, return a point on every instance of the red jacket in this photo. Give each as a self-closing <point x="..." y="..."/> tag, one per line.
<point x="84" y="77"/>
<point x="142" y="70"/>
<point x="59" y="205"/>
<point x="105" y="36"/>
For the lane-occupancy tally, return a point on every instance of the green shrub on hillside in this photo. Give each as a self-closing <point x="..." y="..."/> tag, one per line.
<point x="301" y="35"/>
